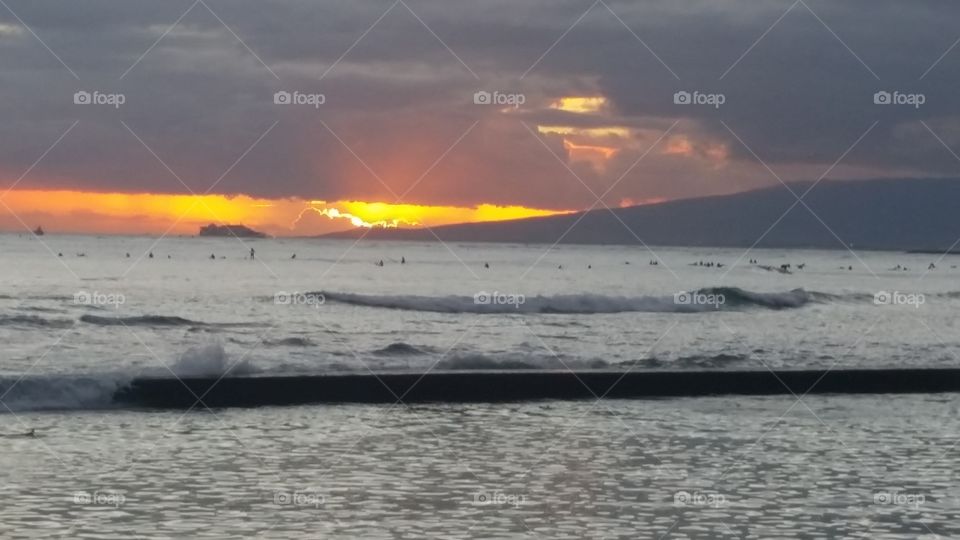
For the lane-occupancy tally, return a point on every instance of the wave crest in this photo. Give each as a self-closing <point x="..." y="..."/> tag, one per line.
<point x="584" y="304"/>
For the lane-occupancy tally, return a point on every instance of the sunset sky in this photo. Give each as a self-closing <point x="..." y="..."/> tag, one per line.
<point x="579" y="106"/>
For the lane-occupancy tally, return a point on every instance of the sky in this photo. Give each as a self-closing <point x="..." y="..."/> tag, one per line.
<point x="307" y="116"/>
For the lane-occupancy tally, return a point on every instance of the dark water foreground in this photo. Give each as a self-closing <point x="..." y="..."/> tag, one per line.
<point x="505" y="386"/>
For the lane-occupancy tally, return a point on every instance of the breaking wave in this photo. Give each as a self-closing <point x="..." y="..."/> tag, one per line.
<point x="60" y="393"/>
<point x="143" y="320"/>
<point x="97" y="391"/>
<point x="292" y="341"/>
<point x="398" y="349"/>
<point x="585" y="304"/>
<point x="153" y="320"/>
<point x="484" y="362"/>
<point x="209" y="360"/>
<point x="34" y="321"/>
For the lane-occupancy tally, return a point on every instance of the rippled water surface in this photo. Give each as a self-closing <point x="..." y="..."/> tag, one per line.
<point x="75" y="327"/>
<point x="583" y="306"/>
<point x="866" y="467"/>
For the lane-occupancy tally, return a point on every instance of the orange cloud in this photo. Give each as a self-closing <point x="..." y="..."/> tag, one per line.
<point x="594" y="154"/>
<point x="580" y="104"/>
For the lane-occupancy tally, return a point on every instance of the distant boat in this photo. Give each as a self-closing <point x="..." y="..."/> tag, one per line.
<point x="38" y="231"/>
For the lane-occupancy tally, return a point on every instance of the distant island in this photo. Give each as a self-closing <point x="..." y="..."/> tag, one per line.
<point x="883" y="214"/>
<point x="239" y="231"/>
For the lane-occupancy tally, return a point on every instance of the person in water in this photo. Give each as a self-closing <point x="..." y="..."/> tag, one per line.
<point x="252" y="254"/>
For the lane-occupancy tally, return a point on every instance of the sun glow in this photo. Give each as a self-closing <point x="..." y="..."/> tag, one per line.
<point x="150" y="213"/>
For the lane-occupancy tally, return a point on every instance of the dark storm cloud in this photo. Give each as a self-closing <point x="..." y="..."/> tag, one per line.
<point x="399" y="99"/>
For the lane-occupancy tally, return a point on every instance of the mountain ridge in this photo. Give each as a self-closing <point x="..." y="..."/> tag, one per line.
<point x="897" y="214"/>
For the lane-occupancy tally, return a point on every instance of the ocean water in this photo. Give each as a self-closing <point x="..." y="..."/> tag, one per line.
<point x="76" y="326"/>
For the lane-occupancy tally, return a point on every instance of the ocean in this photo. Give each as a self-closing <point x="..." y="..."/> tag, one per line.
<point x="79" y="318"/>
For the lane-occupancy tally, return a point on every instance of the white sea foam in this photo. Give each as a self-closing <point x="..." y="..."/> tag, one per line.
<point x="209" y="360"/>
